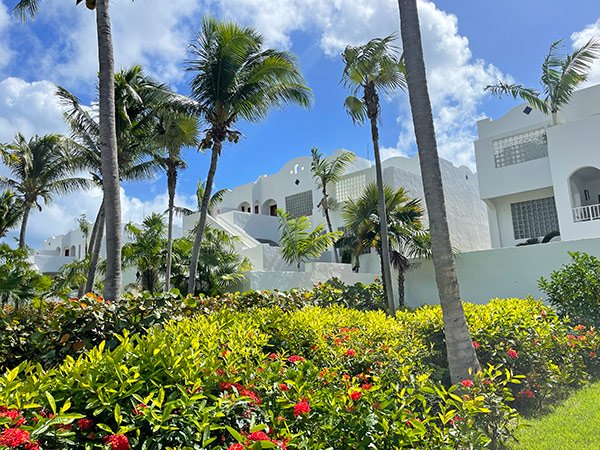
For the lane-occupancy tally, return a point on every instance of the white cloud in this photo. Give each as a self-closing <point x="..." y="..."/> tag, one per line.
<point x="579" y="38"/>
<point x="31" y="108"/>
<point x="456" y="80"/>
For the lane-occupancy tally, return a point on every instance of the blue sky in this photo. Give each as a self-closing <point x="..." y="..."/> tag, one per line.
<point x="468" y="44"/>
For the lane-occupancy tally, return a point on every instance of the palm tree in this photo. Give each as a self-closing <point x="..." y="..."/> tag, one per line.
<point x="462" y="359"/>
<point x="108" y="138"/>
<point x="369" y="69"/>
<point x="327" y="171"/>
<point x="215" y="199"/>
<point x="11" y="211"/>
<point x="174" y="131"/>
<point x="40" y="167"/>
<point x="137" y="97"/>
<point x="561" y="74"/>
<point x="298" y="243"/>
<point x="407" y="237"/>
<point x="145" y="251"/>
<point x="235" y="78"/>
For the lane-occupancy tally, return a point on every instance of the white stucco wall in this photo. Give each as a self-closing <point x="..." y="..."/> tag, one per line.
<point x="487" y="274"/>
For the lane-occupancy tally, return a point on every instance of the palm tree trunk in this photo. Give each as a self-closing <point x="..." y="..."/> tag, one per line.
<point x="171" y="187"/>
<point x="108" y="150"/>
<point x="371" y="100"/>
<point x="329" y="226"/>
<point x="459" y="347"/>
<point x="401" y="288"/>
<point x="216" y="151"/>
<point x="23" y="233"/>
<point x="96" y="244"/>
<point x="90" y="246"/>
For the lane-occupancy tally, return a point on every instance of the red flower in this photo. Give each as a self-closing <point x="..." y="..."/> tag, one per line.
<point x="272" y="356"/>
<point x="13" y="414"/>
<point x="526" y="393"/>
<point x="512" y="353"/>
<point x="32" y="445"/>
<point x="355" y="396"/>
<point x="366" y="386"/>
<point x="296" y="359"/>
<point x="236" y="447"/>
<point x="579" y="327"/>
<point x="224" y="386"/>
<point x="138" y="410"/>
<point x="256" y="400"/>
<point x="284" y="387"/>
<point x="592" y="354"/>
<point x="476" y="345"/>
<point x="351" y="352"/>
<point x="117" y="441"/>
<point x="85" y="424"/>
<point x="302" y="407"/>
<point x="258" y="436"/>
<point x="467" y="383"/>
<point x="13" y="437"/>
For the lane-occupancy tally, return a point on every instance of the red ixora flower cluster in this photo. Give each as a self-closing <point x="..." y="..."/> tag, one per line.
<point x="512" y="353"/>
<point x="296" y="359"/>
<point x="15" y="416"/>
<point x="15" y="437"/>
<point x="355" y="395"/>
<point x="302" y="407"/>
<point x="467" y="383"/>
<point x="85" y="424"/>
<point x="255" y="399"/>
<point x="117" y="441"/>
<point x="255" y="437"/>
<point x="476" y="345"/>
<point x="526" y="393"/>
<point x="351" y="352"/>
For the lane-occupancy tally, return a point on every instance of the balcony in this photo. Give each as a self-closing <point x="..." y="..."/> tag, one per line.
<point x="586" y="213"/>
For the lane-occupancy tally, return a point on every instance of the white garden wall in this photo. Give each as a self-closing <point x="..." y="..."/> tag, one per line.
<point x="487" y="274"/>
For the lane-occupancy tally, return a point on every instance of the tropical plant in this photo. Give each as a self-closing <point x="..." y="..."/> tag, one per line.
<point x="220" y="267"/>
<point x="406" y="235"/>
<point x="370" y="69"/>
<point x="40" y="167"/>
<point x="462" y="358"/>
<point x="215" y="199"/>
<point x="72" y="277"/>
<point x="11" y="210"/>
<point x="108" y="138"/>
<point x="234" y="79"/>
<point x="84" y="227"/>
<point x="174" y="131"/>
<point x="327" y="171"/>
<point x="137" y="100"/>
<point x="145" y="252"/>
<point x="20" y="281"/>
<point x="561" y="75"/>
<point x="298" y="244"/>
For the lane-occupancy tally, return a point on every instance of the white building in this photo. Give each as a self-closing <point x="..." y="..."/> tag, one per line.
<point x="536" y="178"/>
<point x="248" y="211"/>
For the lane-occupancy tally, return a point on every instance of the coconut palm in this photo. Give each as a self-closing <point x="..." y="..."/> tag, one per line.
<point x="235" y="78"/>
<point x="561" y="75"/>
<point x="462" y="358"/>
<point x="137" y="97"/>
<point x="11" y="211"/>
<point x="215" y="199"/>
<point x="108" y="139"/>
<point x="407" y="238"/>
<point x="298" y="243"/>
<point x="40" y="167"/>
<point x="370" y="69"/>
<point x="145" y="250"/>
<point x="174" y="131"/>
<point x="327" y="171"/>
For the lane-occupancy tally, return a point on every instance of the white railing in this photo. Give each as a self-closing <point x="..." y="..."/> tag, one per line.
<point x="585" y="213"/>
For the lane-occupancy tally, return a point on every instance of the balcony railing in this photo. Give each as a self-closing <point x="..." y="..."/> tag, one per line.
<point x="586" y="213"/>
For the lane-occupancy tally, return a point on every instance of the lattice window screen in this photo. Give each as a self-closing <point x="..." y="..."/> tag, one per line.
<point x="520" y="148"/>
<point x="534" y="218"/>
<point x="299" y="204"/>
<point x="350" y="188"/>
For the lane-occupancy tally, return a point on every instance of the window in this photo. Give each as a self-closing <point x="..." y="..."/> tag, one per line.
<point x="299" y="204"/>
<point x="520" y="148"/>
<point x="534" y="218"/>
<point x="351" y="187"/>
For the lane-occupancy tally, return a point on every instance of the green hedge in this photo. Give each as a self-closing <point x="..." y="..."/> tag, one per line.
<point x="317" y="377"/>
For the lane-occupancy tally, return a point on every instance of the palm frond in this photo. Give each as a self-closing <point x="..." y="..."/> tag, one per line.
<point x="519" y="91"/>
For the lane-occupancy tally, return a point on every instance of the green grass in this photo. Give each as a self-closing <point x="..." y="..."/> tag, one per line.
<point x="573" y="425"/>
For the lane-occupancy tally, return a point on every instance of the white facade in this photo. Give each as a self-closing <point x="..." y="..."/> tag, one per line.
<point x="536" y="177"/>
<point x="248" y="211"/>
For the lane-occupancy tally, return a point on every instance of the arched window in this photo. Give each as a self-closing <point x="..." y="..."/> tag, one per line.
<point x="244" y="207"/>
<point x="269" y="207"/>
<point x="584" y="185"/>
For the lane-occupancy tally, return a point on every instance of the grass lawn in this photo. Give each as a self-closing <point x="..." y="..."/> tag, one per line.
<point x="574" y="425"/>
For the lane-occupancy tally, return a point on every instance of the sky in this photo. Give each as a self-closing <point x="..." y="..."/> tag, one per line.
<point x="468" y="44"/>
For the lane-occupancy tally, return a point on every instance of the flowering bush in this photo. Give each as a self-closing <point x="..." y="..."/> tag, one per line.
<point x="228" y="381"/>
